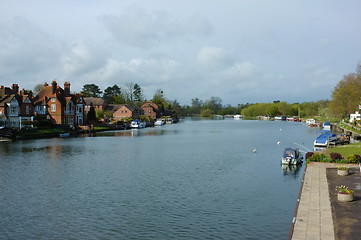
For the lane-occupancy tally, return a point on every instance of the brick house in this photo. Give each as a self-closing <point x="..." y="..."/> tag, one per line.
<point x="59" y="106"/>
<point x="151" y="110"/>
<point x="97" y="103"/>
<point x="128" y="111"/>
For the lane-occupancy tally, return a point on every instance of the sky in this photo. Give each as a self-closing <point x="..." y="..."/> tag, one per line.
<point x="242" y="51"/>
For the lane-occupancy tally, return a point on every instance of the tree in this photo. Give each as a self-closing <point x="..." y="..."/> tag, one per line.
<point x="38" y="88"/>
<point x="160" y="100"/>
<point x="90" y="90"/>
<point x="346" y="95"/>
<point x="130" y="92"/>
<point x="91" y="115"/>
<point x="111" y="92"/>
<point x="137" y="93"/>
<point x="119" y="99"/>
<point x="272" y="110"/>
<point x="196" y="106"/>
<point x="214" y="103"/>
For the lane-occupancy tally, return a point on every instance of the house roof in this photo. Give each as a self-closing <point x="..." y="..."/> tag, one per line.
<point x="94" y="101"/>
<point x="114" y="107"/>
<point x="9" y="98"/>
<point x="47" y="91"/>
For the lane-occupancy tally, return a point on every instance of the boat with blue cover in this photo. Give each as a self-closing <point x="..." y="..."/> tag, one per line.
<point x="325" y="138"/>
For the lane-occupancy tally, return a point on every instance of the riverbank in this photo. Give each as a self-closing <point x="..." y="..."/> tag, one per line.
<point x="319" y="215"/>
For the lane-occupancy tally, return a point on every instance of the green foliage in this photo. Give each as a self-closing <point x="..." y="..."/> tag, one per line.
<point x="111" y="92"/>
<point x="272" y="110"/>
<point x="206" y="113"/>
<point x="346" y="95"/>
<point x="90" y="90"/>
<point x="352" y="159"/>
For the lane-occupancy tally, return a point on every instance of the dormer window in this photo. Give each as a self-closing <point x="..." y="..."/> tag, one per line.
<point x="53" y="99"/>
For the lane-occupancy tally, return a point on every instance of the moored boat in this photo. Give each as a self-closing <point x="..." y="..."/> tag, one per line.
<point x="159" y="122"/>
<point x="237" y="116"/>
<point x="137" y="124"/>
<point x="292" y="156"/>
<point x="325" y="138"/>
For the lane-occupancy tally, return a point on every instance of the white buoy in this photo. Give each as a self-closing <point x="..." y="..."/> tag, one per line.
<point x="254" y="150"/>
<point x="280" y="129"/>
<point x="278" y="142"/>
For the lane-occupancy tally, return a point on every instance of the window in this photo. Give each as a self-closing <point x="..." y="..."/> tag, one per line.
<point x="27" y="110"/>
<point x="53" y="99"/>
<point x="53" y="107"/>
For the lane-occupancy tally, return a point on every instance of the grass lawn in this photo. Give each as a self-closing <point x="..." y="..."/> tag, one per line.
<point x="346" y="150"/>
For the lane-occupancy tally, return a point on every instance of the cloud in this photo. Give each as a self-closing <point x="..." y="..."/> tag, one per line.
<point x="83" y="57"/>
<point x="140" y="28"/>
<point x="26" y="50"/>
<point x="213" y="57"/>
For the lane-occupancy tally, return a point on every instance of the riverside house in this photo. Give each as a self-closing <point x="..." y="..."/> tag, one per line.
<point x="128" y="111"/>
<point x="97" y="103"/>
<point x="151" y="110"/>
<point x="59" y="106"/>
<point x="16" y="106"/>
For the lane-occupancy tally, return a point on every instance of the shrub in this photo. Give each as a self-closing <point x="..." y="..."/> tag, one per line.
<point x="308" y="155"/>
<point x="335" y="156"/>
<point x="351" y="159"/>
<point x="315" y="157"/>
<point x="358" y="158"/>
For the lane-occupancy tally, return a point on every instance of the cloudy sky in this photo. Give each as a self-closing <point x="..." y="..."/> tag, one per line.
<point x="239" y="50"/>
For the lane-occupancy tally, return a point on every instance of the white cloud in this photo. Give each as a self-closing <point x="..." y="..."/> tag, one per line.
<point x="213" y="57"/>
<point x="140" y="28"/>
<point x="83" y="57"/>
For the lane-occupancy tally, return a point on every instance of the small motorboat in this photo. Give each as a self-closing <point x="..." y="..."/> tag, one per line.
<point x="159" y="122"/>
<point x="325" y="138"/>
<point x="292" y="156"/>
<point x="137" y="124"/>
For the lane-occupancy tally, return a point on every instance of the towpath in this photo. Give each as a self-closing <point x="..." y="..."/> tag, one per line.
<point x="319" y="214"/>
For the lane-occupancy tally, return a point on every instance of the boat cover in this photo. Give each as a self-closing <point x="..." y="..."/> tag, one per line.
<point x="324" y="136"/>
<point x="290" y="152"/>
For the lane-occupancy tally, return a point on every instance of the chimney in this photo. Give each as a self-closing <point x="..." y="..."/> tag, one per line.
<point x="22" y="92"/>
<point x="15" y="88"/>
<point x="46" y="84"/>
<point x="54" y="85"/>
<point x="67" y="89"/>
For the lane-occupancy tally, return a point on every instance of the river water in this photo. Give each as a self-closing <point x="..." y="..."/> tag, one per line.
<point x="191" y="180"/>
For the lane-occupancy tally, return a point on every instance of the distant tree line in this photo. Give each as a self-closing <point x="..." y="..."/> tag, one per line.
<point x="346" y="98"/>
<point x="278" y="108"/>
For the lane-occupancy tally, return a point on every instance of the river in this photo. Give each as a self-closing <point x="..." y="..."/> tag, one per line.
<point x="191" y="180"/>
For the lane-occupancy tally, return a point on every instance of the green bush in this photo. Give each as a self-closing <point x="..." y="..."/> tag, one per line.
<point x="315" y="157"/>
<point x="352" y="159"/>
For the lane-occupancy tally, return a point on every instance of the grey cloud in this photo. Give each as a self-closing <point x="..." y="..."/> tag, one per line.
<point x="139" y="28"/>
<point x="26" y="49"/>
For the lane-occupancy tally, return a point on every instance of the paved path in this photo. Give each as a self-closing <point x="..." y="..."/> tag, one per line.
<point x="314" y="216"/>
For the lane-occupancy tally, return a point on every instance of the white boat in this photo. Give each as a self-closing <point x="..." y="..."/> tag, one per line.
<point x="292" y="156"/>
<point x="325" y="138"/>
<point x="310" y="121"/>
<point x="137" y="124"/>
<point x="237" y="116"/>
<point x="159" y="122"/>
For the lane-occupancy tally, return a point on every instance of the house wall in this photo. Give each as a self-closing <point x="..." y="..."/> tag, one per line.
<point x="56" y="114"/>
<point x="121" y="113"/>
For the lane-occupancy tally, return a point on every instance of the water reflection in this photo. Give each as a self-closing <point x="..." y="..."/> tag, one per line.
<point x="291" y="170"/>
<point x="133" y="133"/>
<point x="51" y="148"/>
